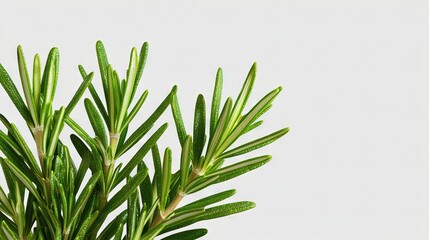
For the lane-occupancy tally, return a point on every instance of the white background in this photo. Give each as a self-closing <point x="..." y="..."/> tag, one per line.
<point x="355" y="75"/>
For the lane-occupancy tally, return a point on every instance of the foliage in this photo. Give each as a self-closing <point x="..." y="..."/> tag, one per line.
<point x="47" y="196"/>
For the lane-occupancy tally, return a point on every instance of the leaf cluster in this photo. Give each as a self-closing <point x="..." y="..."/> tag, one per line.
<point x="47" y="196"/>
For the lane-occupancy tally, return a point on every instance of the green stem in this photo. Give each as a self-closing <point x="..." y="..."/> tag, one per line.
<point x="173" y="204"/>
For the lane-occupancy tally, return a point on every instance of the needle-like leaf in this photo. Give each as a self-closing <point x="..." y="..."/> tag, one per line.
<point x="217" y="96"/>
<point x="76" y="97"/>
<point x="204" y="202"/>
<point x="103" y="64"/>
<point x="188" y="234"/>
<point x="238" y="169"/>
<point x="146" y="126"/>
<point x="138" y="157"/>
<point x="178" y="120"/>
<point x="166" y="179"/>
<point x="14" y="95"/>
<point x="199" y="127"/>
<point x="255" y="144"/>
<point x="26" y="85"/>
<point x="185" y="162"/>
<point x="96" y="122"/>
<point x="212" y="213"/>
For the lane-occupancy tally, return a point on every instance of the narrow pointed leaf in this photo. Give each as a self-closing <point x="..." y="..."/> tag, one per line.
<point x="156" y="157"/>
<point x="135" y="110"/>
<point x="212" y="213"/>
<point x="146" y="126"/>
<point x="166" y="178"/>
<point x="84" y="196"/>
<point x="241" y="100"/>
<point x="255" y="144"/>
<point x="121" y="196"/>
<point x="138" y="157"/>
<point x="26" y="85"/>
<point x="76" y="97"/>
<point x="185" y="162"/>
<point x="96" y="122"/>
<point x="103" y="64"/>
<point x="24" y="179"/>
<point x="142" y="63"/>
<point x="188" y="234"/>
<point x="240" y="168"/>
<point x="248" y="119"/>
<point x="178" y="120"/>
<point x="220" y="128"/>
<point x="204" y="202"/>
<point x="14" y="95"/>
<point x="199" y="127"/>
<point x="83" y="230"/>
<point x="216" y="99"/>
<point x="95" y="95"/>
<point x="110" y="230"/>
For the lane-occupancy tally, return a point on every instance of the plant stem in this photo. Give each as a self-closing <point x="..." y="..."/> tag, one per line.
<point x="38" y="138"/>
<point x="173" y="204"/>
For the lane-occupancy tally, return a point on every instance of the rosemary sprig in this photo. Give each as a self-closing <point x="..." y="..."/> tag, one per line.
<point x="47" y="195"/>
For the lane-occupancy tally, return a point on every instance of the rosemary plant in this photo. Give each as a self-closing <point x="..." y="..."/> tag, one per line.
<point x="48" y="197"/>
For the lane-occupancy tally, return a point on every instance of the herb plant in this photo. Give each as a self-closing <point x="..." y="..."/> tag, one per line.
<point x="48" y="195"/>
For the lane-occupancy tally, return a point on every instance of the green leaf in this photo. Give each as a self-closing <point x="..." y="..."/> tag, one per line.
<point x="86" y="157"/>
<point x="200" y="183"/>
<point x="11" y="235"/>
<point x="23" y="178"/>
<point x="146" y="126"/>
<point x="37" y="78"/>
<point x="135" y="110"/>
<point x="133" y="213"/>
<point x="138" y="157"/>
<point x="76" y="97"/>
<point x="252" y="126"/>
<point x="241" y="100"/>
<point x="56" y="130"/>
<point x="26" y="85"/>
<point x="152" y="233"/>
<point x="166" y="179"/>
<point x="25" y="150"/>
<point x="83" y="228"/>
<point x="95" y="96"/>
<point x="185" y="162"/>
<point x="188" y="234"/>
<point x="103" y="64"/>
<point x="142" y="63"/>
<point x="217" y="96"/>
<point x="129" y="88"/>
<point x="121" y="196"/>
<point x="204" y="202"/>
<point x="156" y="157"/>
<point x="79" y="131"/>
<point x="84" y="196"/>
<point x="199" y="127"/>
<point x="119" y="231"/>
<point x="140" y="224"/>
<point x="240" y="168"/>
<point x="211" y="213"/>
<point x="14" y="95"/>
<point x="96" y="122"/>
<point x="248" y="119"/>
<point x="255" y="144"/>
<point x="178" y="120"/>
<point x="220" y="128"/>
<point x="146" y="190"/>
<point x="111" y="228"/>
<point x="49" y="82"/>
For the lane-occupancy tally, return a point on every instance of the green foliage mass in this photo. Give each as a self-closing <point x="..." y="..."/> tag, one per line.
<point x="48" y="197"/>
